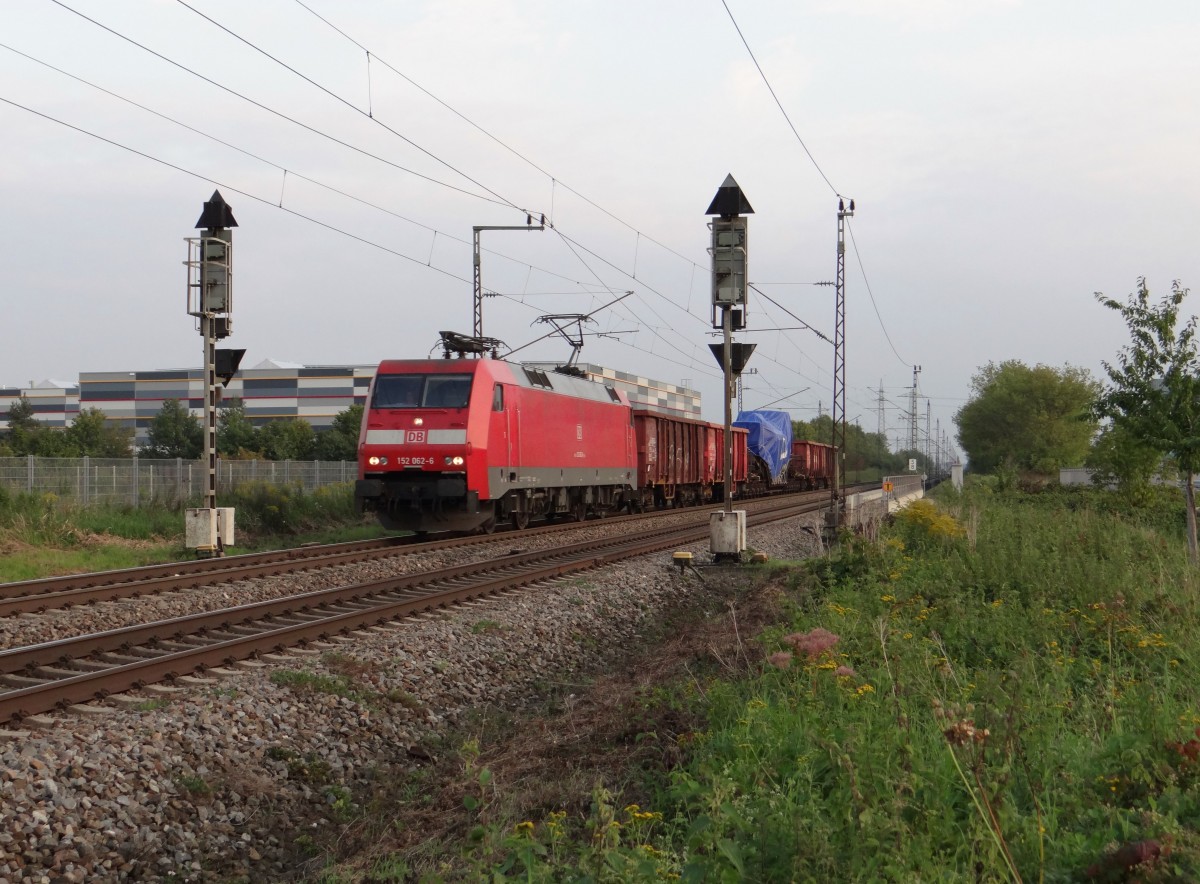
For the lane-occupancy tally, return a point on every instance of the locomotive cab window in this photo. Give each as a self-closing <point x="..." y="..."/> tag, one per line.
<point x="398" y="391"/>
<point x="447" y="391"/>
<point x="422" y="391"/>
<point x="498" y="398"/>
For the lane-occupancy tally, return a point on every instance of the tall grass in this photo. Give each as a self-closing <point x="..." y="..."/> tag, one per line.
<point x="42" y="535"/>
<point x="276" y="510"/>
<point x="1003" y="688"/>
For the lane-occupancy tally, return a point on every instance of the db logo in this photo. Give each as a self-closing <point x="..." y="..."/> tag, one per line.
<point x="415" y="436"/>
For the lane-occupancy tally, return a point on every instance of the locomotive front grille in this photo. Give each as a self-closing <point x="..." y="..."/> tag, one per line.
<point x="415" y="487"/>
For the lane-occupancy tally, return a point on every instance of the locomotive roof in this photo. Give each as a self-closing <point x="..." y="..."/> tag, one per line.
<point x="531" y="376"/>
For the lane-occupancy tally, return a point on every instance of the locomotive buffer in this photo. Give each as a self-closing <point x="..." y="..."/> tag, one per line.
<point x="727" y="528"/>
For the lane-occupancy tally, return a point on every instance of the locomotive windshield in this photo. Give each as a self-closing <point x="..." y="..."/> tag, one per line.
<point x="422" y="391"/>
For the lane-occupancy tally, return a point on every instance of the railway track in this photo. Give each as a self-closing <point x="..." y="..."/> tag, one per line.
<point x="57" y="674"/>
<point x="37" y="596"/>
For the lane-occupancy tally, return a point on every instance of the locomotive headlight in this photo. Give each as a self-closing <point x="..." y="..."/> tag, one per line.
<point x="377" y="461"/>
<point x="418" y="421"/>
<point x="454" y="461"/>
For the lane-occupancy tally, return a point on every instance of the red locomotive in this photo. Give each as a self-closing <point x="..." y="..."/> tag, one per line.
<point x="459" y="445"/>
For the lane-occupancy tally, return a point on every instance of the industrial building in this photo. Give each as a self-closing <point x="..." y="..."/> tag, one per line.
<point x="55" y="403"/>
<point x="271" y="390"/>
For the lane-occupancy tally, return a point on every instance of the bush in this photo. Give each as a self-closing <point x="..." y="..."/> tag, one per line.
<point x="288" y="509"/>
<point x="922" y="524"/>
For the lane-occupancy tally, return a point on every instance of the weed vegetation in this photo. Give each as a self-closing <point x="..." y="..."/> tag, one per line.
<point x="41" y="535"/>
<point x="997" y="687"/>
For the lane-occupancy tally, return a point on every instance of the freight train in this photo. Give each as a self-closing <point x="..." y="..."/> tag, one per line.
<point x="462" y="445"/>
<point x="779" y="461"/>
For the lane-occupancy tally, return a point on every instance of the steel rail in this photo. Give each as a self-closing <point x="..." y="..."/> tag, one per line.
<point x="75" y="589"/>
<point x="37" y="596"/>
<point x="56" y="691"/>
<point x="15" y="660"/>
<point x="46" y="585"/>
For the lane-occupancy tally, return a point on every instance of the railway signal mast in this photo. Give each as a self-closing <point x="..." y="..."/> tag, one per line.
<point x="837" y="510"/>
<point x="729" y="274"/>
<point x="210" y="299"/>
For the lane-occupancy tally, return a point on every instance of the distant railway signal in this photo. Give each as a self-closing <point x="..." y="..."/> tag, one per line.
<point x="730" y="268"/>
<point x="210" y="299"/>
<point x="210" y="262"/>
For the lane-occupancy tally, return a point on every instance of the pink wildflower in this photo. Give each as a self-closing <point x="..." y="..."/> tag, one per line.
<point x="843" y="671"/>
<point x="812" y="643"/>
<point x="780" y="659"/>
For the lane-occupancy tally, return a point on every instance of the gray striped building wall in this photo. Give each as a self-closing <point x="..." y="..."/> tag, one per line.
<point x="270" y="391"/>
<point x="55" y="404"/>
<point x="658" y="396"/>
<point x="315" y="393"/>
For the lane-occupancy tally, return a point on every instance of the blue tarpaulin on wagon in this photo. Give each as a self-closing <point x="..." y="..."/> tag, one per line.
<point x="770" y="439"/>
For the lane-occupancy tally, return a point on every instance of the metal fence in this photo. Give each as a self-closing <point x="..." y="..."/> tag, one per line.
<point x="137" y="481"/>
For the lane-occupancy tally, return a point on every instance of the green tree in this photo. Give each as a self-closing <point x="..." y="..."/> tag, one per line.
<point x="864" y="451"/>
<point x="22" y="426"/>
<point x="1153" y="391"/>
<point x="1037" y="419"/>
<point x="291" y="439"/>
<point x="340" y="441"/>
<point x="1118" y="456"/>
<point x="94" y="435"/>
<point x="236" y="436"/>
<point x="175" y="432"/>
<point x="21" y="416"/>
<point x="44" y="442"/>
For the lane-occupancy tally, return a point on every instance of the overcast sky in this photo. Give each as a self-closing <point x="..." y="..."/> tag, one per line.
<point x="1007" y="160"/>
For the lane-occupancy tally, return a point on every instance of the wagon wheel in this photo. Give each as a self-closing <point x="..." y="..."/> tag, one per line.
<point x="579" y="511"/>
<point x="520" y="519"/>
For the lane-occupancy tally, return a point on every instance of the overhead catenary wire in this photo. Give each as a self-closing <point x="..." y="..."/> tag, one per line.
<point x="778" y="103"/>
<point x="292" y="172"/>
<point x="232" y="189"/>
<point x="352" y="106"/>
<point x="816" y="166"/>
<point x="867" y="283"/>
<point x="333" y="228"/>
<point x="574" y="246"/>
<point x="666" y="326"/>
<point x="819" y="334"/>
<point x="555" y="182"/>
<point x="290" y="119"/>
<point x="313" y="129"/>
